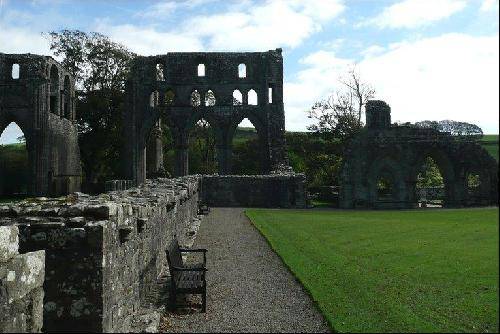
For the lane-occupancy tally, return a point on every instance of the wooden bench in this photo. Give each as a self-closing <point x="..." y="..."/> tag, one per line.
<point x="186" y="278"/>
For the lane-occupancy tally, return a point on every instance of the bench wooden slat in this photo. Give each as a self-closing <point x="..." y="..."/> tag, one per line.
<point x="189" y="278"/>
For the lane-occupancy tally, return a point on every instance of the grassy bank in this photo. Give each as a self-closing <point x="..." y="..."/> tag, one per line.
<point x="386" y="271"/>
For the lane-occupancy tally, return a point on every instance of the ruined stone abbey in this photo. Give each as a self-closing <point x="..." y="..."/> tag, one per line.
<point x="88" y="262"/>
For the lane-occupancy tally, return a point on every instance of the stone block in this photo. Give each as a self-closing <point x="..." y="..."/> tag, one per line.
<point x="9" y="242"/>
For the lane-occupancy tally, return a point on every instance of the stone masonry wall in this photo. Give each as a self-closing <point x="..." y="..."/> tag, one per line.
<point x="104" y="253"/>
<point x="21" y="281"/>
<point x="279" y="190"/>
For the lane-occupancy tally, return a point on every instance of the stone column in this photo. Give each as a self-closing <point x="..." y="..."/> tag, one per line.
<point x="224" y="157"/>
<point x="181" y="155"/>
<point x="154" y="153"/>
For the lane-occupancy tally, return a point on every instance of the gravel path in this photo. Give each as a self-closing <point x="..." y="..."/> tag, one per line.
<point x="248" y="287"/>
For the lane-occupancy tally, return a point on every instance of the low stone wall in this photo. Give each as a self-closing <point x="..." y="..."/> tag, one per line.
<point x="21" y="280"/>
<point x="267" y="191"/>
<point x="104" y="253"/>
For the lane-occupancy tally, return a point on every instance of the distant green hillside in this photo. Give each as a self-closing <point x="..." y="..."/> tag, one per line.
<point x="490" y="143"/>
<point x="14" y="169"/>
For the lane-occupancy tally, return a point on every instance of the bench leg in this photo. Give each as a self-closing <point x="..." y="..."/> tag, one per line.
<point x="172" y="298"/>
<point x="204" y="302"/>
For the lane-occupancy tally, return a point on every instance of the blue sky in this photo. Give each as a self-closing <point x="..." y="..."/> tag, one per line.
<point x="429" y="59"/>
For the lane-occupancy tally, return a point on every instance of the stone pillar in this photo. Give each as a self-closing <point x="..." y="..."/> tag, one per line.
<point x="154" y="154"/>
<point x="181" y="155"/>
<point x="224" y="158"/>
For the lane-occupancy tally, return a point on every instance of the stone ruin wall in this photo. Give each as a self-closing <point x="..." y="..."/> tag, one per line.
<point x="265" y="191"/>
<point x="40" y="99"/>
<point x="103" y="253"/>
<point x="21" y="285"/>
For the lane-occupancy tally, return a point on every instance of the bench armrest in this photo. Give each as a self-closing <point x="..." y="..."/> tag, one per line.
<point x="189" y="269"/>
<point x="193" y="250"/>
<point x="198" y="250"/>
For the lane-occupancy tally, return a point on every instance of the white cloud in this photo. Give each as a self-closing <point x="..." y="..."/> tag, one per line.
<point x="22" y="40"/>
<point x="453" y="76"/>
<point x="489" y="5"/>
<point x="147" y="41"/>
<point x="416" y="13"/>
<point x="372" y="51"/>
<point x="273" y="24"/>
<point x="255" y="26"/>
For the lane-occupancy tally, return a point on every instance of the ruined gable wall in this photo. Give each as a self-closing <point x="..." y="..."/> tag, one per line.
<point x="104" y="253"/>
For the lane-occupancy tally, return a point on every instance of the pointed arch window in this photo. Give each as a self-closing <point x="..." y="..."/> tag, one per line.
<point x="252" y="98"/>
<point x="210" y="99"/>
<point x="237" y="98"/>
<point x="169" y="97"/>
<point x="242" y="71"/>
<point x="195" y="99"/>
<point x="160" y="72"/>
<point x="201" y="70"/>
<point x="154" y="99"/>
<point x="15" y="71"/>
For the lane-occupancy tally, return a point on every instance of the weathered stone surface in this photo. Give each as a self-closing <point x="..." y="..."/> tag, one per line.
<point x="24" y="273"/>
<point x="9" y="242"/>
<point x="397" y="153"/>
<point x="103" y="254"/>
<point x="42" y="102"/>
<point x="276" y="190"/>
<point x="166" y="88"/>
<point x="21" y="281"/>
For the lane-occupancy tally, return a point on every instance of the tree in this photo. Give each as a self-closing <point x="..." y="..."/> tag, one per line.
<point x="100" y="67"/>
<point x="455" y="128"/>
<point x="340" y="113"/>
<point x="338" y="118"/>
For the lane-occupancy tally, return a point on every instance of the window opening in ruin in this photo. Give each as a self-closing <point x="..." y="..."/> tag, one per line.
<point x="195" y="99"/>
<point x="14" y="165"/>
<point x="210" y="99"/>
<point x="169" y="97"/>
<point x="430" y="188"/>
<point x="252" y="98"/>
<point x="160" y="72"/>
<point x="154" y="99"/>
<point x="15" y="71"/>
<point x="270" y="95"/>
<point x="473" y="181"/>
<point x="202" y="149"/>
<point x="246" y="150"/>
<point x="237" y="98"/>
<point x="242" y="71"/>
<point x="201" y="70"/>
<point x="385" y="189"/>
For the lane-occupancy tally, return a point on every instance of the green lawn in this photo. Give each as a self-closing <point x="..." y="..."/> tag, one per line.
<point x="490" y="143"/>
<point x="388" y="271"/>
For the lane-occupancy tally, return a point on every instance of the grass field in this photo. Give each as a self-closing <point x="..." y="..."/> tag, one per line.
<point x="490" y="143"/>
<point x="387" y="271"/>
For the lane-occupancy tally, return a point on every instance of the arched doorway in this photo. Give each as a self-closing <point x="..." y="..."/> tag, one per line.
<point x="246" y="150"/>
<point x="430" y="186"/>
<point x="14" y="163"/>
<point x="202" y="148"/>
<point x="433" y="179"/>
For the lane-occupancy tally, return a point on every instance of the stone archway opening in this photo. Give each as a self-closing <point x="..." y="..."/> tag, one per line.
<point x="202" y="149"/>
<point x="14" y="163"/>
<point x="430" y="185"/>
<point x="385" y="189"/>
<point x="246" y="150"/>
